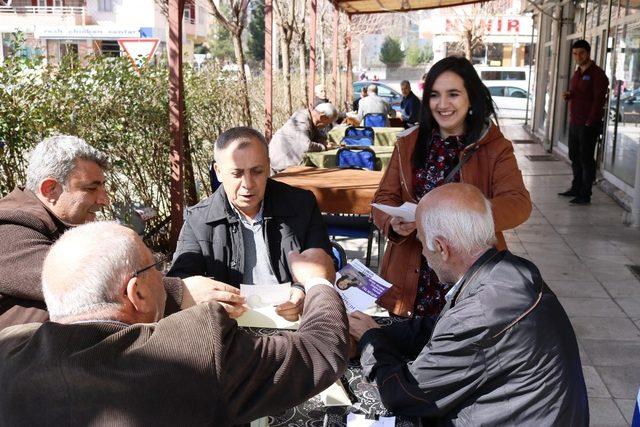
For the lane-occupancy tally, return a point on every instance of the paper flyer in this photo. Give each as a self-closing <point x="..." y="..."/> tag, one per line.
<point x="262" y="300"/>
<point x="359" y="287"/>
<point x="406" y="211"/>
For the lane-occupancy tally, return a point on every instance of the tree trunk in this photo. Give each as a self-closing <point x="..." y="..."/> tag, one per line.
<point x="302" y="58"/>
<point x="244" y="92"/>
<point x="285" y="51"/>
<point x="467" y="44"/>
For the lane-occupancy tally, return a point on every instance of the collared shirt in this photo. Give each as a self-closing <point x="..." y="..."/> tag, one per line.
<point x="257" y="265"/>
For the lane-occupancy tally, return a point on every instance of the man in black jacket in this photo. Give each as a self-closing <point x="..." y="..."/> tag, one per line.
<point x="502" y="351"/>
<point x="242" y="233"/>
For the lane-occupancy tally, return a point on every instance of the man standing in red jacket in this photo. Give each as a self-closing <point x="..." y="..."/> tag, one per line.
<point x="587" y="95"/>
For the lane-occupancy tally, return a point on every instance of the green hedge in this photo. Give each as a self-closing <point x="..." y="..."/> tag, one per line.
<point x="105" y="102"/>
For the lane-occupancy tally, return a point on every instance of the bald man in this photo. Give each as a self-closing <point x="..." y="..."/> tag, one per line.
<point x="502" y="351"/>
<point x="108" y="358"/>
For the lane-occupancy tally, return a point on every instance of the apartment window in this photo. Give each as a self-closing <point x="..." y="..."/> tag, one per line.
<point x="187" y="13"/>
<point x="201" y="15"/>
<point x="105" y="5"/>
<point x="42" y="3"/>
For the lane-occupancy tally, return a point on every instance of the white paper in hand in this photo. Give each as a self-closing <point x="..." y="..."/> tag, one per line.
<point x="406" y="211"/>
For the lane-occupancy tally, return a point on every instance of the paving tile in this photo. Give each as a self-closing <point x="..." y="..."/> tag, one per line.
<point x="626" y="407"/>
<point x="621" y="381"/>
<point x="630" y="305"/>
<point x="577" y="289"/>
<point x="611" y="353"/>
<point x="595" y="385"/>
<point x="594" y="307"/>
<point x="605" y="413"/>
<point x="622" y="288"/>
<point x="585" y="360"/>
<point x="605" y="328"/>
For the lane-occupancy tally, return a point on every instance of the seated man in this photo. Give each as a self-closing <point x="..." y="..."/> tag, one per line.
<point x="242" y="232"/>
<point x="363" y="94"/>
<point x="374" y="104"/>
<point x="410" y="105"/>
<point x="65" y="187"/>
<point x="319" y="95"/>
<point x="106" y="358"/>
<point x="300" y="134"/>
<point x="502" y="351"/>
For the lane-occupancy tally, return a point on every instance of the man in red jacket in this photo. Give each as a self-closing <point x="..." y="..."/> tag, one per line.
<point x="587" y="95"/>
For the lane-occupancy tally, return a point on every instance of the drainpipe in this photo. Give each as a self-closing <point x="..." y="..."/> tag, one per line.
<point x="526" y="112"/>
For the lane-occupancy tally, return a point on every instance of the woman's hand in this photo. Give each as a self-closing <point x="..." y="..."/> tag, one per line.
<point x="401" y="227"/>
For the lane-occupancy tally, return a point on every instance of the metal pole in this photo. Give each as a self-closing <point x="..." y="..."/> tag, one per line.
<point x="334" y="57"/>
<point x="268" y="75"/>
<point x="526" y="111"/>
<point x="176" y="117"/>
<point x="635" y="208"/>
<point x="312" y="51"/>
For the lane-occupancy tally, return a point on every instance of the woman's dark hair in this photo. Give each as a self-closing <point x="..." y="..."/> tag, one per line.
<point x="479" y="98"/>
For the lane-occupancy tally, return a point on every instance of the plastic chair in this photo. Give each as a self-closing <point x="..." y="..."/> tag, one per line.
<point x="356" y="158"/>
<point x="338" y="255"/>
<point x="376" y="120"/>
<point x="358" y="135"/>
<point x="354" y="226"/>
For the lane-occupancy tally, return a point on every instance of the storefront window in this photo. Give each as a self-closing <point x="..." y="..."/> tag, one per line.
<point x="623" y="128"/>
<point x="629" y="7"/>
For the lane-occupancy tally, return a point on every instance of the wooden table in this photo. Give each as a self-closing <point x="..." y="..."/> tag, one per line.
<point x="327" y="159"/>
<point x="337" y="190"/>
<point x="383" y="136"/>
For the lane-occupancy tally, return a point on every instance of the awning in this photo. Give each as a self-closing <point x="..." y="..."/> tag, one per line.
<point x="356" y="7"/>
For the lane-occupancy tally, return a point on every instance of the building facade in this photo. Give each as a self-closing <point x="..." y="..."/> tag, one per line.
<point x="612" y="27"/>
<point x="54" y="28"/>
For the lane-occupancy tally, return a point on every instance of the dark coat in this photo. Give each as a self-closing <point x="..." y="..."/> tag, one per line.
<point x="27" y="231"/>
<point x="211" y="245"/>
<point x="195" y="368"/>
<point x="476" y="366"/>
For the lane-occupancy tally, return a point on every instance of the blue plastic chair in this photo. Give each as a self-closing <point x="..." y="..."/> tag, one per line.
<point x="358" y="135"/>
<point x="376" y="120"/>
<point x="356" y="158"/>
<point x="354" y="226"/>
<point x="338" y="255"/>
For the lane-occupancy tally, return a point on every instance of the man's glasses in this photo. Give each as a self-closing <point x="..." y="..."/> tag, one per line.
<point x="159" y="258"/>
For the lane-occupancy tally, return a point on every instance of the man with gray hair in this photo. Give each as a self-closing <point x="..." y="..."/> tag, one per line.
<point x="374" y="104"/>
<point x="300" y="134"/>
<point x="502" y="351"/>
<point x="65" y="188"/>
<point x="108" y="358"/>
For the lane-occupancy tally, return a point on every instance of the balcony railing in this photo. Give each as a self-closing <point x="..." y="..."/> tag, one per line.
<point x="36" y="10"/>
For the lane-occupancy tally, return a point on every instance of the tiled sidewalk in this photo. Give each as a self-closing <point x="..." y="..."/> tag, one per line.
<point x="582" y="252"/>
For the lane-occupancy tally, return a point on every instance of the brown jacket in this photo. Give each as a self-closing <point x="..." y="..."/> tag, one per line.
<point x="27" y="231"/>
<point x="492" y="168"/>
<point x="194" y="368"/>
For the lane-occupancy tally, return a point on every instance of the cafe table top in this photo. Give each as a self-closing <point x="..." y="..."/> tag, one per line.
<point x="382" y="136"/>
<point x="327" y="159"/>
<point x="347" y="191"/>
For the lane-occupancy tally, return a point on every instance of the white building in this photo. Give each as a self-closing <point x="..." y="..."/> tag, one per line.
<point x="56" y="27"/>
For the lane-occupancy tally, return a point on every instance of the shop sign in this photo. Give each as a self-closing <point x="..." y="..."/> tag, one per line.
<point x="99" y="32"/>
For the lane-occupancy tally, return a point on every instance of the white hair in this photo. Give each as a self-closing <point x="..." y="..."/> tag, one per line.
<point x="56" y="156"/>
<point x="466" y="230"/>
<point x="95" y="259"/>
<point x="372" y="89"/>
<point x="328" y="110"/>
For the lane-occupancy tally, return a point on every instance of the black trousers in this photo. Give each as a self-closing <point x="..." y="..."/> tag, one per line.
<point x="582" y="147"/>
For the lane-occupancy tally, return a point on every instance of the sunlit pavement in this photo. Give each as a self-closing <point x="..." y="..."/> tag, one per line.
<point x="583" y="253"/>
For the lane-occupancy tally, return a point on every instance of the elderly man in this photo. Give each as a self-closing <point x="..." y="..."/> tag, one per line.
<point x="410" y="105"/>
<point x="106" y="358"/>
<point x="301" y="133"/>
<point x="242" y="232"/>
<point x="502" y="351"/>
<point x="373" y="104"/>
<point x="65" y="187"/>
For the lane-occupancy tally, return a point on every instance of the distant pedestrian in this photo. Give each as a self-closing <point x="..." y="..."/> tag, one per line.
<point x="586" y="95"/>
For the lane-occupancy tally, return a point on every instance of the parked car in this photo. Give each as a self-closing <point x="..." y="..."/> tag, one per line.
<point x="392" y="96"/>
<point x="510" y="100"/>
<point x="511" y="76"/>
<point x="628" y="108"/>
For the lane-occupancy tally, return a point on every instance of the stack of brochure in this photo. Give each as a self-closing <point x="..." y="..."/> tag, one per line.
<point x="359" y="287"/>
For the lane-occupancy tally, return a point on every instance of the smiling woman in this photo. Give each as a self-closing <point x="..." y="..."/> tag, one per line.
<point x="457" y="141"/>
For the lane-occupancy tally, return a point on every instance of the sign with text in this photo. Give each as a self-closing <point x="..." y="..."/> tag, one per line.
<point x="99" y="32"/>
<point x="139" y="50"/>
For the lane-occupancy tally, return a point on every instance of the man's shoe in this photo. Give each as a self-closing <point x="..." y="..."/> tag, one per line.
<point x="580" y="201"/>
<point x="568" y="193"/>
